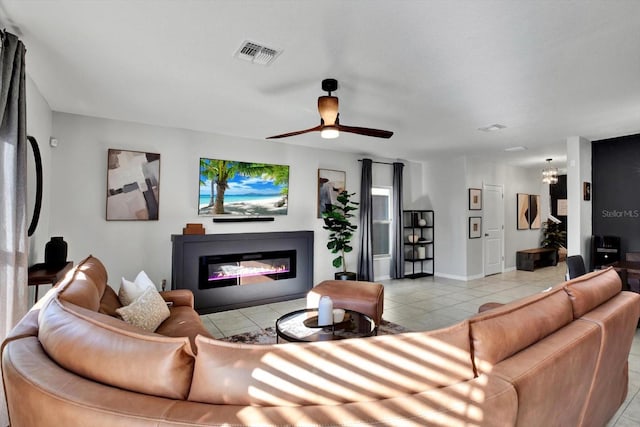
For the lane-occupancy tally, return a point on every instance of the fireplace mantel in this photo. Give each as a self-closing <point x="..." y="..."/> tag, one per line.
<point x="188" y="249"/>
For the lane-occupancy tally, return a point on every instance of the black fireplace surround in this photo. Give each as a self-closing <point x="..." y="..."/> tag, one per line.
<point x="229" y="271"/>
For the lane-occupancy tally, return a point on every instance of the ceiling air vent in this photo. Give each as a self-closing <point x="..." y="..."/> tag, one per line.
<point x="257" y="53"/>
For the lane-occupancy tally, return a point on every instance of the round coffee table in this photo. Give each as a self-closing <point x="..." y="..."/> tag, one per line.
<point x="302" y="326"/>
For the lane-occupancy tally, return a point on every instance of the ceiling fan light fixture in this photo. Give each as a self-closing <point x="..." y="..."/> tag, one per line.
<point x="329" y="132"/>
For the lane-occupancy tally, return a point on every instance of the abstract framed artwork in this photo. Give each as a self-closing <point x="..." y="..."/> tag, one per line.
<point x="522" y="208"/>
<point x="475" y="227"/>
<point x="534" y="212"/>
<point x="330" y="184"/>
<point x="475" y="199"/>
<point x="133" y="185"/>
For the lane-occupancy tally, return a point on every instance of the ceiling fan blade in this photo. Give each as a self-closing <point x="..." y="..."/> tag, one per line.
<point x="377" y="133"/>
<point x="299" y="132"/>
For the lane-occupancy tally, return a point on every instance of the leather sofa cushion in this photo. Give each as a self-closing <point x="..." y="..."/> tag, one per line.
<point x="109" y="302"/>
<point x="93" y="347"/>
<point x="94" y="268"/>
<point x="81" y="291"/>
<point x="589" y="291"/>
<point x="330" y="373"/>
<point x="183" y="322"/>
<point x="499" y="333"/>
<point x="85" y="284"/>
<point x="553" y="377"/>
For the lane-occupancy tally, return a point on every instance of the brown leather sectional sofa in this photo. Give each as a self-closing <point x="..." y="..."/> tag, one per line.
<point x="558" y="358"/>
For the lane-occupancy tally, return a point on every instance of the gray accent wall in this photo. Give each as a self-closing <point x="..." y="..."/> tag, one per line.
<point x="616" y="190"/>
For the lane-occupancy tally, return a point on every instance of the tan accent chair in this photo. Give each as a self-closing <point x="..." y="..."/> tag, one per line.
<point x="363" y="297"/>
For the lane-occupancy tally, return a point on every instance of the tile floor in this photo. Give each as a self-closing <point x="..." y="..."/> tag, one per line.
<point x="431" y="303"/>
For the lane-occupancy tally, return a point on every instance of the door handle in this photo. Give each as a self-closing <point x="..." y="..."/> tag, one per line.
<point x="486" y="234"/>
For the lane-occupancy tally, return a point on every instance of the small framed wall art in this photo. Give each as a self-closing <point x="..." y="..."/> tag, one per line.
<point x="330" y="184"/>
<point x="586" y="191"/>
<point x="475" y="199"/>
<point x="475" y="227"/>
<point x="522" y="211"/>
<point x="534" y="211"/>
<point x="133" y="185"/>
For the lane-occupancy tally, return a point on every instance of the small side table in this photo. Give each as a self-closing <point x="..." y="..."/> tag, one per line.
<point x="40" y="274"/>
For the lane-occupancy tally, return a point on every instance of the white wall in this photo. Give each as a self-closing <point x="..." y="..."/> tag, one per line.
<point x="579" y="219"/>
<point x="444" y="185"/>
<point x="39" y="124"/>
<point x="126" y="247"/>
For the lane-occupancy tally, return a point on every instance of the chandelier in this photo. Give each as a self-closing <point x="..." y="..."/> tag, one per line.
<point x="550" y="174"/>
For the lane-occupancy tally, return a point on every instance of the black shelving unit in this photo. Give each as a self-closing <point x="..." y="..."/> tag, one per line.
<point x="418" y="243"/>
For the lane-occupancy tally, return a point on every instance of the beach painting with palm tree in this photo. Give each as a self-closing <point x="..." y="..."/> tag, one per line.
<point x="230" y="187"/>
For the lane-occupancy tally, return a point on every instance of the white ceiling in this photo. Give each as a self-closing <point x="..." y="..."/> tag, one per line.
<point x="431" y="71"/>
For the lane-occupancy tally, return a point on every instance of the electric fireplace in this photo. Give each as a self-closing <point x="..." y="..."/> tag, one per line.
<point x="246" y="268"/>
<point x="229" y="271"/>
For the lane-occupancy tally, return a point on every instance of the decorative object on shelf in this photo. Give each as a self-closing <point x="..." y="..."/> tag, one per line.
<point x="534" y="212"/>
<point x="549" y="173"/>
<point x="422" y="222"/>
<point x="522" y="211"/>
<point x="330" y="184"/>
<point x="193" y="229"/>
<point x="241" y="189"/>
<point x="325" y="311"/>
<point x="337" y="219"/>
<point x="475" y="227"/>
<point x="586" y="191"/>
<point x="415" y="219"/>
<point x="133" y="185"/>
<point x="475" y="199"/>
<point x="55" y="252"/>
<point x="413" y="238"/>
<point x="338" y="315"/>
<point x="421" y="252"/>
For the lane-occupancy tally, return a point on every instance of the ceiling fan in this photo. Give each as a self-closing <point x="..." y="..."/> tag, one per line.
<point x="330" y="126"/>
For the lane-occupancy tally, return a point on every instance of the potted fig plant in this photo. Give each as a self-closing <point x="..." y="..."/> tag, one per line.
<point x="554" y="236"/>
<point x="337" y="219"/>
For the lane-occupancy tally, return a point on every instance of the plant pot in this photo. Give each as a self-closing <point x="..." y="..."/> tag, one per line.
<point x="346" y="276"/>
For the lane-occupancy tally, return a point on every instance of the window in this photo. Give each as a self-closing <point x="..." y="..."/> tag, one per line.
<point x="381" y="237"/>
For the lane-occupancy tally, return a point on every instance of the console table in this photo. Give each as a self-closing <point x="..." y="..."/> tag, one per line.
<point x="530" y="259"/>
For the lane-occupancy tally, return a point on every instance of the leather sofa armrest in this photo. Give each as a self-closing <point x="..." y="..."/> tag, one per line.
<point x="179" y="297"/>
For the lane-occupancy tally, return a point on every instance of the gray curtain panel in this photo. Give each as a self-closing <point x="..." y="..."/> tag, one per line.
<point x="13" y="176"/>
<point x="365" y="256"/>
<point x="397" y="245"/>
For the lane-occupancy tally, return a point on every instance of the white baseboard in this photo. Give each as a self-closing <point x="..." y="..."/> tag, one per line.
<point x="451" y="276"/>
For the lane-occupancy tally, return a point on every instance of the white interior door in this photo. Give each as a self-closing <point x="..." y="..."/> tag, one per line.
<point x="493" y="229"/>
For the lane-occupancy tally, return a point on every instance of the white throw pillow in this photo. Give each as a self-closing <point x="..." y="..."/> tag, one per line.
<point x="148" y="311"/>
<point x="130" y="291"/>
